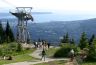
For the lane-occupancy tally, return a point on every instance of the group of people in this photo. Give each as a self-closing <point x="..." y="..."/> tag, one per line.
<point x="42" y="44"/>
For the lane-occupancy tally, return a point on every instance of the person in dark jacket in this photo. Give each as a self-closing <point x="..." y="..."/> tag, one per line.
<point x="43" y="54"/>
<point x="48" y="45"/>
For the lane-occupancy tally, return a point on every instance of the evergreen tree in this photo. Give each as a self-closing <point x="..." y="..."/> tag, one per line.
<point x="1" y="33"/>
<point x="83" y="41"/>
<point x="9" y="33"/>
<point x="72" y="41"/>
<point x="91" y="39"/>
<point x="92" y="50"/>
<point x="65" y="39"/>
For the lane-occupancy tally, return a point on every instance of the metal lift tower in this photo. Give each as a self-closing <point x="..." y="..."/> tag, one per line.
<point x="23" y="14"/>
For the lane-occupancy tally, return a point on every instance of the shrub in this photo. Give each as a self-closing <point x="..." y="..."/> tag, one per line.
<point x="12" y="46"/>
<point x="10" y="49"/>
<point x="19" y="47"/>
<point x="64" y="50"/>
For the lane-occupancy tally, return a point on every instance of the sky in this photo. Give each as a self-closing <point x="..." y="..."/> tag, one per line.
<point x="53" y="5"/>
<point x="66" y="7"/>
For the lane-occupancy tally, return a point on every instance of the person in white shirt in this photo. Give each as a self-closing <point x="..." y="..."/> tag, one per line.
<point x="72" y="54"/>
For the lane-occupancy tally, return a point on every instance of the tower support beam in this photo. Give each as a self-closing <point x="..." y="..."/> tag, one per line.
<point x="23" y="14"/>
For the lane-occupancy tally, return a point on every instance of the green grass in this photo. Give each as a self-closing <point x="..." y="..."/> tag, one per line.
<point x="61" y="62"/>
<point x="89" y="63"/>
<point x="20" y="57"/>
<point x="50" y="52"/>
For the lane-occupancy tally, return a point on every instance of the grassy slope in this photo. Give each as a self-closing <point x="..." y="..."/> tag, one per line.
<point x="19" y="58"/>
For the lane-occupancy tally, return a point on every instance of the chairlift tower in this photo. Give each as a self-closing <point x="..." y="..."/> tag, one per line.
<point x="23" y="14"/>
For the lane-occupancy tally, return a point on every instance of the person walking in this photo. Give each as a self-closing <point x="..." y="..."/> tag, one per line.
<point x="43" y="54"/>
<point x="72" y="55"/>
<point x="48" y="45"/>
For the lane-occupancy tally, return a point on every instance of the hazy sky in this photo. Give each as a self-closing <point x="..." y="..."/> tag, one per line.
<point x="84" y="6"/>
<point x="67" y="7"/>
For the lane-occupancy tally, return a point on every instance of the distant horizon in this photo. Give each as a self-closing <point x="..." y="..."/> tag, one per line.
<point x="49" y="17"/>
<point x="48" y="21"/>
<point x="66" y="10"/>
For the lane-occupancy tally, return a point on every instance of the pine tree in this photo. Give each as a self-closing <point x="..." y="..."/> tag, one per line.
<point x="72" y="41"/>
<point x="92" y="50"/>
<point x="65" y="39"/>
<point x="83" y="41"/>
<point x="9" y="33"/>
<point x="91" y="39"/>
<point x="1" y="33"/>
